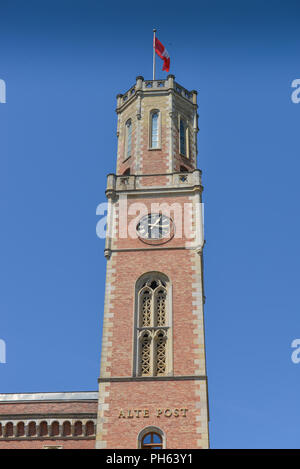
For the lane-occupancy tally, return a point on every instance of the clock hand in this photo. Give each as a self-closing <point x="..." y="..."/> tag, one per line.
<point x="160" y="226"/>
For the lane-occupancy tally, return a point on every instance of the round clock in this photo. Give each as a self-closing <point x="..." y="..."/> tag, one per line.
<point x="155" y="228"/>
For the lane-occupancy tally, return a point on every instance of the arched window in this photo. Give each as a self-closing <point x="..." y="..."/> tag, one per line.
<point x="9" y="429"/>
<point x="66" y="428"/>
<point x="20" y="429"/>
<point x="32" y="429"/>
<point x="154" y="129"/>
<point x="78" y="428"/>
<point x="54" y="429"/>
<point x="90" y="428"/>
<point x="128" y="136"/>
<point x="151" y="438"/>
<point x="43" y="429"/>
<point x="153" y="331"/>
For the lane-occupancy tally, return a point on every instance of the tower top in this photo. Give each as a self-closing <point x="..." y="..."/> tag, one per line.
<point x="157" y="128"/>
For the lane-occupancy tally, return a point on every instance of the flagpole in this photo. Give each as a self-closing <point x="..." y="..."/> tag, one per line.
<point x="154" y="31"/>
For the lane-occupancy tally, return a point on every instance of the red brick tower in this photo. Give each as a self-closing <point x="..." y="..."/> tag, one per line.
<point x="152" y="385"/>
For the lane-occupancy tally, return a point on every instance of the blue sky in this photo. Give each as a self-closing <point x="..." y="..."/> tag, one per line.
<point x="63" y="63"/>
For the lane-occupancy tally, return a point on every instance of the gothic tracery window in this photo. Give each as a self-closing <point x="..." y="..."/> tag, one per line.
<point x="153" y="328"/>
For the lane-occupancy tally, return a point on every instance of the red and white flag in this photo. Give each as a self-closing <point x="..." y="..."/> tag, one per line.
<point x="162" y="53"/>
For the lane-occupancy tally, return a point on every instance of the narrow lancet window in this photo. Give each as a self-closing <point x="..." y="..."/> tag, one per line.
<point x="128" y="138"/>
<point x="154" y="130"/>
<point x="182" y="132"/>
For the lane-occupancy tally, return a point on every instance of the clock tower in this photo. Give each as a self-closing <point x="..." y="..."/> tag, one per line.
<point x="153" y="383"/>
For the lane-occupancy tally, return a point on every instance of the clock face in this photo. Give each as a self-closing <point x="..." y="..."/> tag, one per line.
<point x="154" y="226"/>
